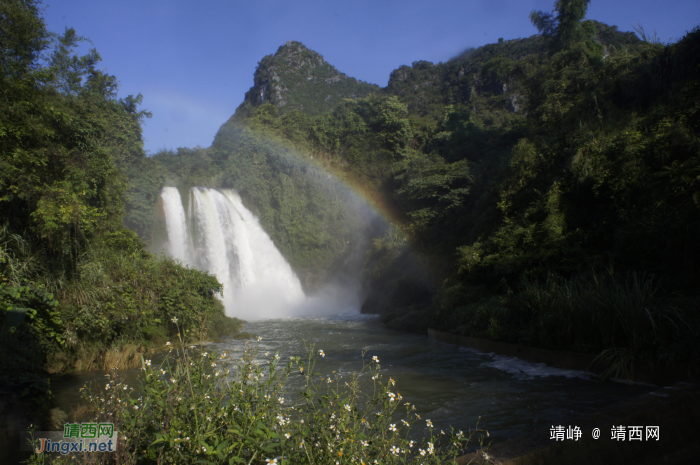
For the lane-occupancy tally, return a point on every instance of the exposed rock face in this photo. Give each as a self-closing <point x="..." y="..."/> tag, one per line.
<point x="514" y="105"/>
<point x="296" y="78"/>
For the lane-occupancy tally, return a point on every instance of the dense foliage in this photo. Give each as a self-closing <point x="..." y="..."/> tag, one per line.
<point x="75" y="285"/>
<point x="600" y="173"/>
<point x="509" y="171"/>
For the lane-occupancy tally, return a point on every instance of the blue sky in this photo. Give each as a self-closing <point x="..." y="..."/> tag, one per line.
<point x="194" y="60"/>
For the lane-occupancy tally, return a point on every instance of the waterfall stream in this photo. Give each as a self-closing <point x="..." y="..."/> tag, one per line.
<point x="219" y="235"/>
<point x="175" y="223"/>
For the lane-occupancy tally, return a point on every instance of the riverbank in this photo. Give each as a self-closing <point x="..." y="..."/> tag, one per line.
<point x="658" y="375"/>
<point x="128" y="355"/>
<point x="633" y="322"/>
<point x="31" y="398"/>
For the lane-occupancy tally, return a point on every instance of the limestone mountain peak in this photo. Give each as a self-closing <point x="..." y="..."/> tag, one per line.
<point x="297" y="78"/>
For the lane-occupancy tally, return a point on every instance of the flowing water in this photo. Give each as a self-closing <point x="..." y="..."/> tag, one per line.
<point x="450" y="385"/>
<point x="219" y="235"/>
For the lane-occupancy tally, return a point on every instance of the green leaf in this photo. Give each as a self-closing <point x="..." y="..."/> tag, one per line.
<point x="271" y="447"/>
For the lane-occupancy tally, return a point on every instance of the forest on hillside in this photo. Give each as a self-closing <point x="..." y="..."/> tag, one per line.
<point x="544" y="191"/>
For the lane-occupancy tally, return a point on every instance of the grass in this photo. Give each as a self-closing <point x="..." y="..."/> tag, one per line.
<point x="628" y="316"/>
<point x="128" y="354"/>
<point x="123" y="356"/>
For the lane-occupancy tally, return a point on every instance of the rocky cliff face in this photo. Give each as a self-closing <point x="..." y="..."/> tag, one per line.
<point x="296" y="78"/>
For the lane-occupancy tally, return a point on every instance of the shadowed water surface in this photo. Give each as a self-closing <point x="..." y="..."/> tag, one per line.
<point x="450" y="385"/>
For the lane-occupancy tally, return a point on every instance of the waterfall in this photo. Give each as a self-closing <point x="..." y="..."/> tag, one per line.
<point x="219" y="235"/>
<point x="175" y="224"/>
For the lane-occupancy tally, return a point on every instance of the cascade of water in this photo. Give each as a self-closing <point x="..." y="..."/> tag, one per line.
<point x="175" y="224"/>
<point x="229" y="242"/>
<point x="211" y="232"/>
<point x="260" y="260"/>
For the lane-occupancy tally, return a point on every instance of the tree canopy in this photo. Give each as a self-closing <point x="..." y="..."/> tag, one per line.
<point x="564" y="25"/>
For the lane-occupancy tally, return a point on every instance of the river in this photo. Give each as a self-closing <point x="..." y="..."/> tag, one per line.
<point x="450" y="385"/>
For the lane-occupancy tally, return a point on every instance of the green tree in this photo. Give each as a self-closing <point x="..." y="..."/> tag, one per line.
<point x="23" y="36"/>
<point x="563" y="25"/>
<point x="68" y="69"/>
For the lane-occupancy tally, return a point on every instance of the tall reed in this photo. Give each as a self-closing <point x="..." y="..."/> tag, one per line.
<point x="621" y="317"/>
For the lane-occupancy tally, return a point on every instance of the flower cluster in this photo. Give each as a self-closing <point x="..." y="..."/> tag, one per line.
<point x="245" y="411"/>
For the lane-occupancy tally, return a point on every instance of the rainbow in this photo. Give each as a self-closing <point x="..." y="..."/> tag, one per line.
<point x="372" y="197"/>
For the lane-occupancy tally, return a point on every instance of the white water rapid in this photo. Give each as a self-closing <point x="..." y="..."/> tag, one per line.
<point x="219" y="235"/>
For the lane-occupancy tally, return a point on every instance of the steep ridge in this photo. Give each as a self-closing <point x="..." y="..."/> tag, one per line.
<point x="296" y="78"/>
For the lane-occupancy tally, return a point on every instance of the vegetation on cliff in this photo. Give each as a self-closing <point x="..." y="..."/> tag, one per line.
<point x="296" y="78"/>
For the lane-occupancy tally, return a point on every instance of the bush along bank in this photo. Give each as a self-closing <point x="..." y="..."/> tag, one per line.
<point x="117" y="306"/>
<point x="625" y="320"/>
<point x="200" y="407"/>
